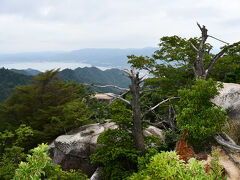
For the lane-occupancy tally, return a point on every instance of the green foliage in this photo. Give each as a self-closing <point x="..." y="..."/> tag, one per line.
<point x="197" y="114"/>
<point x="117" y="154"/>
<point x="99" y="110"/>
<point x="217" y="169"/>
<point x="121" y="115"/>
<point x="9" y="161"/>
<point x="167" y="166"/>
<point x="144" y="160"/>
<point x="35" y="166"/>
<point x="10" y="79"/>
<point x="13" y="150"/>
<point x="153" y="142"/>
<point x="233" y="76"/>
<point x="179" y="50"/>
<point x="17" y="138"/>
<point x="226" y="68"/>
<point x="22" y="134"/>
<point x="4" y="137"/>
<point x="232" y="129"/>
<point x="37" y="113"/>
<point x="48" y="105"/>
<point x="171" y="139"/>
<point x="93" y="75"/>
<point x="39" y="166"/>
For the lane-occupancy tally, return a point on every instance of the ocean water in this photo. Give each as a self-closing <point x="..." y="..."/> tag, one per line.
<point x="43" y="66"/>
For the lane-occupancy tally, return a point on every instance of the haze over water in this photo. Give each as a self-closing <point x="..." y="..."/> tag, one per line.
<point x="43" y="66"/>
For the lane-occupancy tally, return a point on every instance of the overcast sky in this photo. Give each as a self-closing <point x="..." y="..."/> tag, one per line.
<point x="51" y="25"/>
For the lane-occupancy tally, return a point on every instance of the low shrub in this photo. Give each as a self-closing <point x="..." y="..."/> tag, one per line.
<point x="39" y="166"/>
<point x="167" y="166"/>
<point x="117" y="154"/>
<point x="197" y="114"/>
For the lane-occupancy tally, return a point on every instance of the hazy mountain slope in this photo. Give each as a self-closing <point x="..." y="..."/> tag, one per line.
<point x="29" y="71"/>
<point x="93" y="75"/>
<point x="10" y="79"/>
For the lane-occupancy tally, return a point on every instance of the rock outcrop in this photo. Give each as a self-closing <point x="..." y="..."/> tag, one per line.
<point x="229" y="100"/>
<point x="72" y="151"/>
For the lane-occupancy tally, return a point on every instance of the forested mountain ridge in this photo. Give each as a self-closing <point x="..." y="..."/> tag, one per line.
<point x="91" y="75"/>
<point x="10" y="79"/>
<point x="29" y="71"/>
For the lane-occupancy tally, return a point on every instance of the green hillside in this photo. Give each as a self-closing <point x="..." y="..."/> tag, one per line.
<point x="93" y="75"/>
<point x="10" y="79"/>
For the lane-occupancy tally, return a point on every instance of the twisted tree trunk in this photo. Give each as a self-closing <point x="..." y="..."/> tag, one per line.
<point x="137" y="116"/>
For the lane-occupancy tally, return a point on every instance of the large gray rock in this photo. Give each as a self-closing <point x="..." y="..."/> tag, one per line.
<point x="229" y="100"/>
<point x="72" y="151"/>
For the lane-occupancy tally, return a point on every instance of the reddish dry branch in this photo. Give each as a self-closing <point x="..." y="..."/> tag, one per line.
<point x="184" y="151"/>
<point x="207" y="168"/>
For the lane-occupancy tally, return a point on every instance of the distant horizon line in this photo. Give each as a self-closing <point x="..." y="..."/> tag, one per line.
<point x="64" y="51"/>
<point x="58" y="66"/>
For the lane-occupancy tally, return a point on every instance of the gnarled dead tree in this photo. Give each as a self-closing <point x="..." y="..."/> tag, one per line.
<point x="198" y="66"/>
<point x="138" y="116"/>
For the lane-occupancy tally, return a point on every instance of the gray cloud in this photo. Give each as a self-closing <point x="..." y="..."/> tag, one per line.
<point x="40" y="25"/>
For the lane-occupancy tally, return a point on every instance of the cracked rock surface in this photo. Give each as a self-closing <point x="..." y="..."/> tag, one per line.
<point x="229" y="100"/>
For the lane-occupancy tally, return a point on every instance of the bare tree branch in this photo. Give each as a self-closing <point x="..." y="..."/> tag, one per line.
<point x="101" y="86"/>
<point x="122" y="95"/>
<point x="227" y="138"/>
<point x="194" y="47"/>
<point x="219" y="39"/>
<point x="127" y="73"/>
<point x="227" y="144"/>
<point x="209" y="50"/>
<point x="229" y="153"/>
<point x="158" y="124"/>
<point x="199" y="26"/>
<point x="152" y="108"/>
<point x="143" y="77"/>
<point x="147" y="90"/>
<point x="119" y="97"/>
<point x="147" y="68"/>
<point x="215" y="58"/>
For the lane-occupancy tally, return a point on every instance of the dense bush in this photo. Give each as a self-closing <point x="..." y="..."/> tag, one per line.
<point x="167" y="166"/>
<point x="13" y="148"/>
<point x="118" y="154"/>
<point x="38" y="112"/>
<point x="39" y="166"/>
<point x="197" y="114"/>
<point x="48" y="105"/>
